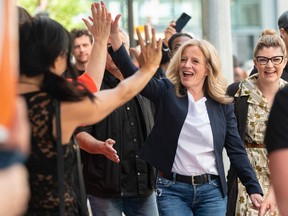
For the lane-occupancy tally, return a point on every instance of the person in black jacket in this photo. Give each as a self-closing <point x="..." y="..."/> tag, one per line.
<point x="283" y="28"/>
<point x="276" y="140"/>
<point x="117" y="180"/>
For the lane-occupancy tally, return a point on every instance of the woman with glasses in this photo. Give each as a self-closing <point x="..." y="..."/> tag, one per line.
<point x="253" y="98"/>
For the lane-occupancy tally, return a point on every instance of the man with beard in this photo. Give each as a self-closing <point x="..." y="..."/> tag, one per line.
<point x="82" y="42"/>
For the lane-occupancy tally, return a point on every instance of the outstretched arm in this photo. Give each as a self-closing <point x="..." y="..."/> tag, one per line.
<point x="94" y="146"/>
<point x="100" y="29"/>
<point x="88" y="112"/>
<point x="91" y="112"/>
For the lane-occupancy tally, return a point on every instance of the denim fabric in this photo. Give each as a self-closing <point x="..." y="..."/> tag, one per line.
<point x="182" y="199"/>
<point x="132" y="206"/>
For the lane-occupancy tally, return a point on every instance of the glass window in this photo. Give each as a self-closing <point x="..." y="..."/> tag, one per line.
<point x="246" y="13"/>
<point x="166" y="10"/>
<point x="158" y="13"/>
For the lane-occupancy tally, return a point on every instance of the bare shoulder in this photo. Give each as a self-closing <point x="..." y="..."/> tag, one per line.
<point x="77" y="112"/>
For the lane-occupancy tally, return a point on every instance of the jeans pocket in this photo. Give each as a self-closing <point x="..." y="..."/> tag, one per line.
<point x="163" y="182"/>
<point x="215" y="182"/>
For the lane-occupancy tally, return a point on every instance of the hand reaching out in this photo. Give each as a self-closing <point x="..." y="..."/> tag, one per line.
<point x="115" y="25"/>
<point x="151" y="49"/>
<point x="100" y="29"/>
<point x="115" y="37"/>
<point x="93" y="146"/>
<point x="108" y="151"/>
<point x="101" y="21"/>
<point x="169" y="31"/>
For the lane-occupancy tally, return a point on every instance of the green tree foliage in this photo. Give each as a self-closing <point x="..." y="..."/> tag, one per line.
<point x="67" y="12"/>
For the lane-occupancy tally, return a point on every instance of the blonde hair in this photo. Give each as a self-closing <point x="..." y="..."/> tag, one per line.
<point x="270" y="38"/>
<point x="215" y="84"/>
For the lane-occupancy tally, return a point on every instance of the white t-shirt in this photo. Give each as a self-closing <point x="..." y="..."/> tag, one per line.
<point x="195" y="151"/>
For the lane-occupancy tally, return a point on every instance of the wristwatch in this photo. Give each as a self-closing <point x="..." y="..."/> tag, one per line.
<point x="164" y="47"/>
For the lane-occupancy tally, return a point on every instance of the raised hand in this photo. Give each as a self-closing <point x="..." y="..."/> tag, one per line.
<point x="115" y="25"/>
<point x="100" y="29"/>
<point x="115" y="37"/>
<point x="169" y="31"/>
<point x="101" y="21"/>
<point x="151" y="49"/>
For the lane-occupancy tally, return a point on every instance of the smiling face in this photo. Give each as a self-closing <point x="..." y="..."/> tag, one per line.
<point x="269" y="72"/>
<point x="192" y="68"/>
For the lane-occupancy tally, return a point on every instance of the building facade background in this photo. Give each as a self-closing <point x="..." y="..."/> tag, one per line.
<point x="248" y="18"/>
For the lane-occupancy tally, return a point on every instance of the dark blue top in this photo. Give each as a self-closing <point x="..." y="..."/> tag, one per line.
<point x="171" y="111"/>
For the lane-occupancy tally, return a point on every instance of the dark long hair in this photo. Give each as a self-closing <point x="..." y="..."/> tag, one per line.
<point x="23" y="15"/>
<point x="41" y="41"/>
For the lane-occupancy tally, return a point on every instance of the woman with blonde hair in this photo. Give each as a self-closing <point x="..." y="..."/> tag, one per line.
<point x="253" y="98"/>
<point x="194" y="121"/>
<point x="215" y="84"/>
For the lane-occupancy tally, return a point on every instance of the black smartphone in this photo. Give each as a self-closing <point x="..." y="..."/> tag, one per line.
<point x="182" y="21"/>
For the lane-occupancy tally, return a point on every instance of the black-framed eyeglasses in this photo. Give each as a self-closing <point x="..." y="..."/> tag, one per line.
<point x="262" y="60"/>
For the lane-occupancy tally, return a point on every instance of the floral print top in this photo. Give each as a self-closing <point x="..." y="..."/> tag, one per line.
<point x="258" y="112"/>
<point x="258" y="109"/>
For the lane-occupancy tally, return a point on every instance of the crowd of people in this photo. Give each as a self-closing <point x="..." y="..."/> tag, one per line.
<point x="108" y="135"/>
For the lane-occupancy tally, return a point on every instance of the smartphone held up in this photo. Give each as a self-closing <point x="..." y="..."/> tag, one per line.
<point x="182" y="21"/>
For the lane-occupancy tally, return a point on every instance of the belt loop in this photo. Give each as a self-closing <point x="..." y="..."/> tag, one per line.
<point x="192" y="180"/>
<point x="158" y="174"/>
<point x="209" y="178"/>
<point x="174" y="177"/>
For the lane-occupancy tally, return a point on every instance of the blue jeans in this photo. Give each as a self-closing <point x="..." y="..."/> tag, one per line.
<point x="179" y="199"/>
<point x="132" y="206"/>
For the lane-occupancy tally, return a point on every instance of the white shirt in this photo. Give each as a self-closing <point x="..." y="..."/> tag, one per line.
<point x="195" y="150"/>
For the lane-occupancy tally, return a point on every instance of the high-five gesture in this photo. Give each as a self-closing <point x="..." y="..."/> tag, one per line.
<point x="151" y="53"/>
<point x="100" y="29"/>
<point x="101" y="21"/>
